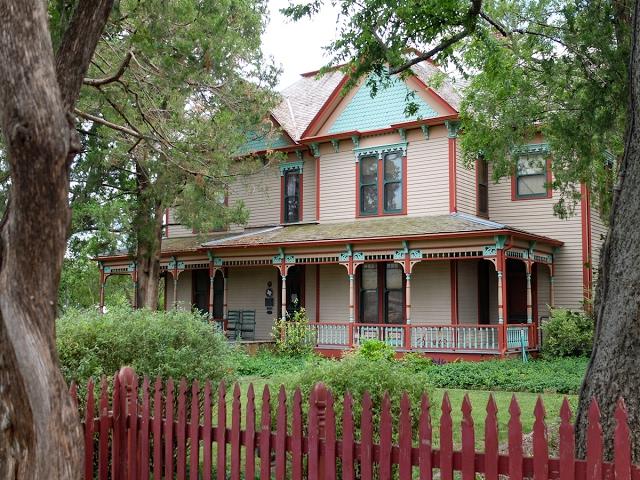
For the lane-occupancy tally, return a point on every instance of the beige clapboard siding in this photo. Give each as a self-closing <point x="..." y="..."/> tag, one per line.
<point x="431" y="293"/>
<point x="246" y="289"/>
<point x="310" y="291"/>
<point x="334" y="294"/>
<point x="175" y="228"/>
<point x="309" y="190"/>
<point x="468" y="291"/>
<point x="337" y="185"/>
<point x="544" y="291"/>
<point x="465" y="186"/>
<point x="536" y="216"/>
<point x="260" y="193"/>
<point x="598" y="233"/>
<point x="428" y="173"/>
<point x="184" y="291"/>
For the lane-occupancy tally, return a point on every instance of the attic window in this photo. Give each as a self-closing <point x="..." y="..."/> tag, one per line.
<point x="531" y="177"/>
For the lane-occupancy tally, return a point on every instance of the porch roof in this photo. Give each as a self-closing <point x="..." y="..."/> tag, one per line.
<point x="388" y="228"/>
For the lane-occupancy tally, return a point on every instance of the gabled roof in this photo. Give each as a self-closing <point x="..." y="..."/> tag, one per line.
<point x="303" y="102"/>
<point x="458" y="224"/>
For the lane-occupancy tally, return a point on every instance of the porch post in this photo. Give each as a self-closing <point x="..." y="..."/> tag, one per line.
<point x="552" y="292"/>
<point x="529" y="295"/>
<point x="283" y="293"/>
<point x="102" y="282"/>
<point x="225" y="294"/>
<point x="212" y="274"/>
<point x="352" y="298"/>
<point x="502" y="301"/>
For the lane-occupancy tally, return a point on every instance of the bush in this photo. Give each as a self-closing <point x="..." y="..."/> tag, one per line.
<point x="567" y="334"/>
<point x="416" y="362"/>
<point x="357" y="375"/>
<point x="292" y="335"/>
<point x="538" y="376"/>
<point x="267" y="363"/>
<point x="169" y="344"/>
<point x="375" y="350"/>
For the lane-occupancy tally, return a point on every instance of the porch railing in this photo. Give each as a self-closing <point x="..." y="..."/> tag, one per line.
<point x="424" y="338"/>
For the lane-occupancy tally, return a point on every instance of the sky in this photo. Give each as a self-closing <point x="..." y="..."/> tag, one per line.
<point x="297" y="46"/>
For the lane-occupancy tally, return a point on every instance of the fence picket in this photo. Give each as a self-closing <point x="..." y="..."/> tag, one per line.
<point x="446" y="440"/>
<point x="250" y="435"/>
<point x="515" y="441"/>
<point x="221" y="430"/>
<point x="181" y="432"/>
<point x="386" y="423"/>
<point x="540" y="443"/>
<point x="348" y="438"/>
<point x="124" y="437"/>
<point x="236" y="413"/>
<point x="281" y="435"/>
<point x="594" y="443"/>
<point x="103" y="442"/>
<point x="491" y="440"/>
<point x="265" y="435"/>
<point x="425" y="445"/>
<point x="143" y="462"/>
<point x="206" y="432"/>
<point x="168" y="431"/>
<point x="330" y="440"/>
<point x="405" y="439"/>
<point x="88" y="432"/>
<point x="366" y="439"/>
<point x="157" y="429"/>
<point x="567" y="445"/>
<point x="194" y="424"/>
<point x="296" y="435"/>
<point x="468" y="441"/>
<point x="622" y="442"/>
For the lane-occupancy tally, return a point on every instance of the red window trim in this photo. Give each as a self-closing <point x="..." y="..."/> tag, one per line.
<point x="514" y="186"/>
<point x="381" y="212"/>
<point x="380" y="291"/>
<point x="282" y="186"/>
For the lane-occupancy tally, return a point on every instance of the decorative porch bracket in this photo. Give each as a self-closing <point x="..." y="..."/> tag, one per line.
<point x="176" y="268"/>
<point x="407" y="258"/>
<point x="283" y="262"/>
<point x="350" y="260"/>
<point x="215" y="264"/>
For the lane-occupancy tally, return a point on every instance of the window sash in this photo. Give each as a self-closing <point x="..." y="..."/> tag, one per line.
<point x="291" y="196"/>
<point x="377" y="185"/>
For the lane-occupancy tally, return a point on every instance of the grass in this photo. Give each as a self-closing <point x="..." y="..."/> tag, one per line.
<point x="478" y="398"/>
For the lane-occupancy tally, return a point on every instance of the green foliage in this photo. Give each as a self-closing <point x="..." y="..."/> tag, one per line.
<point x="567" y="334"/>
<point x="375" y="350"/>
<point x="537" y="376"/>
<point x="292" y="335"/>
<point x="356" y="374"/>
<point x="169" y="344"/>
<point x="266" y="363"/>
<point x="416" y="362"/>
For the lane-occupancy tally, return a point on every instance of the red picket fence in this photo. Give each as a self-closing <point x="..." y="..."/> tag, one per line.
<point x="147" y="432"/>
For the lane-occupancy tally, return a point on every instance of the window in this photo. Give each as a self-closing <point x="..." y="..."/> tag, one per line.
<point x="291" y="203"/>
<point x="381" y="186"/>
<point x="482" y="188"/>
<point x="381" y="284"/>
<point x="531" y="177"/>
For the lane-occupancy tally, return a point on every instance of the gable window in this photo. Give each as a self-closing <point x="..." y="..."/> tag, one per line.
<point x="381" y="180"/>
<point x="532" y="177"/>
<point x="482" y="188"/>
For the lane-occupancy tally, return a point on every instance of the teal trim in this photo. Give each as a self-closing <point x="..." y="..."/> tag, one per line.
<point x="533" y="148"/>
<point x="356" y="141"/>
<point x="299" y="155"/>
<point x="425" y="131"/>
<point x="289" y="166"/>
<point x="336" y="145"/>
<point x="258" y="142"/>
<point x="315" y="149"/>
<point x="403" y="134"/>
<point x="387" y="107"/>
<point x="380" y="150"/>
<point x="501" y="240"/>
<point x="452" y="128"/>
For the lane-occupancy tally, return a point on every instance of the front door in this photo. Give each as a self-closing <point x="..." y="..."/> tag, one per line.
<point x="516" y="291"/>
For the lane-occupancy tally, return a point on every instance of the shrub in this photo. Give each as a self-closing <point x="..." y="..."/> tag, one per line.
<point x="169" y="344"/>
<point x="267" y="363"/>
<point x="357" y="375"/>
<point x="292" y="335"/>
<point x="567" y="334"/>
<point x="416" y="362"/>
<point x="375" y="350"/>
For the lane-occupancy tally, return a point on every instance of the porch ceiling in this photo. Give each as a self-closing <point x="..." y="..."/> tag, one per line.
<point x="378" y="228"/>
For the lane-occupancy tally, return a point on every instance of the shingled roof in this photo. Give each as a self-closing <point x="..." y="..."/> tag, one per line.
<point x="380" y="228"/>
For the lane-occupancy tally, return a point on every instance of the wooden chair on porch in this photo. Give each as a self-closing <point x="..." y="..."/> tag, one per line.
<point x="248" y="325"/>
<point x="233" y="324"/>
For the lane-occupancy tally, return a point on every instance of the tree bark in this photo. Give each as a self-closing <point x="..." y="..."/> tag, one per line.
<point x="614" y="367"/>
<point x="40" y="434"/>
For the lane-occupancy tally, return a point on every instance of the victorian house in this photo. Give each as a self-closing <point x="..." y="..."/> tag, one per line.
<point x="378" y="230"/>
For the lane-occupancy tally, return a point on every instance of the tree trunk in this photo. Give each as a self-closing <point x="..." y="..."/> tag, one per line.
<point x="148" y="259"/>
<point x="40" y="434"/>
<point x="614" y="368"/>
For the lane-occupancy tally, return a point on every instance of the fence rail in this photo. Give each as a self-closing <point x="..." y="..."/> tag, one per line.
<point x="146" y="431"/>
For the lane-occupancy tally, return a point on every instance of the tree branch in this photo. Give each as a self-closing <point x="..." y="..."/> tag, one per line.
<point x="106" y="123"/>
<point x="472" y="14"/>
<point x="97" y="82"/>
